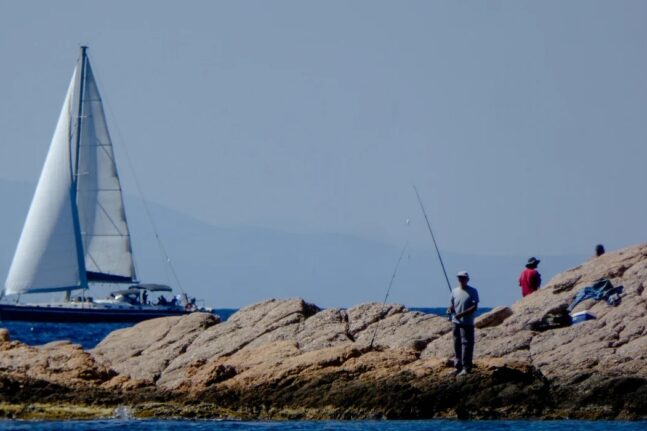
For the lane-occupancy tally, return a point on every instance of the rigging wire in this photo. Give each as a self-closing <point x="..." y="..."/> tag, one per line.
<point x="160" y="244"/>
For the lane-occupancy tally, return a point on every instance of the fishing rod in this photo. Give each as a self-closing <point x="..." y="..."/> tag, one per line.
<point x="440" y="258"/>
<point x="388" y="290"/>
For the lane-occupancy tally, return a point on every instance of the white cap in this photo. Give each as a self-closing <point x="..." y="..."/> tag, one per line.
<point x="463" y="274"/>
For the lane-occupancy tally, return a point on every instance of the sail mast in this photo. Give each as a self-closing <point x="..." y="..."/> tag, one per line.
<point x="81" y="88"/>
<point x="75" y="172"/>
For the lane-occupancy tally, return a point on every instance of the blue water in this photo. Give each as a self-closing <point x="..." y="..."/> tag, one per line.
<point x="89" y="335"/>
<point x="431" y="425"/>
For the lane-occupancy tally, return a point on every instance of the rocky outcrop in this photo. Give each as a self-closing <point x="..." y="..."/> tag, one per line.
<point x="494" y="317"/>
<point x="288" y="358"/>
<point x="269" y="338"/>
<point x="147" y="352"/>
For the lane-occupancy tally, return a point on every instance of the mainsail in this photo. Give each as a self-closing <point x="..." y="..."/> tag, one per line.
<point x="76" y="230"/>
<point x="46" y="257"/>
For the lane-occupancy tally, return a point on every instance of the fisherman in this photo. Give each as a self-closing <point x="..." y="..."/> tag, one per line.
<point x="463" y="303"/>
<point x="530" y="279"/>
<point x="599" y="250"/>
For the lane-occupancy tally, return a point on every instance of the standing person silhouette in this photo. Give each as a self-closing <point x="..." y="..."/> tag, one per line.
<point x="463" y="303"/>
<point x="530" y="279"/>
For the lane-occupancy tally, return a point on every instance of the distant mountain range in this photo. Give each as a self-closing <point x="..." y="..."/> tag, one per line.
<point x="236" y="266"/>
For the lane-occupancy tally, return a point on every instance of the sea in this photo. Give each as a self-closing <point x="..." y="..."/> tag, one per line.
<point x="89" y="335"/>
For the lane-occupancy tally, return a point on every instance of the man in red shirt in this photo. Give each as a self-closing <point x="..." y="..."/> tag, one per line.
<point x="530" y="279"/>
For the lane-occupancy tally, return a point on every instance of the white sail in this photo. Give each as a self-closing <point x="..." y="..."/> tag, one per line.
<point x="104" y="230"/>
<point x="47" y="258"/>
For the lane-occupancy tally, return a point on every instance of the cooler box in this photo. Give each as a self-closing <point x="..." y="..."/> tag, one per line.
<point x="582" y="316"/>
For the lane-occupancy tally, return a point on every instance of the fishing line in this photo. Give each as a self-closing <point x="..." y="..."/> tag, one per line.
<point x="388" y="290"/>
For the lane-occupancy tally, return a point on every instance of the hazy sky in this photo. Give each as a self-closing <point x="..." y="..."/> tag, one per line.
<point x="523" y="124"/>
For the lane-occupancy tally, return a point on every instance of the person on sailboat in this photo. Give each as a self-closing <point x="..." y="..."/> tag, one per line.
<point x="530" y="279"/>
<point x="463" y="303"/>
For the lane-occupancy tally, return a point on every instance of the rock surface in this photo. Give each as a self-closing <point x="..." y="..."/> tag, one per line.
<point x="289" y="359"/>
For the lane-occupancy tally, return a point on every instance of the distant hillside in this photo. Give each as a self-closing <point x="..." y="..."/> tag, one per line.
<point x="233" y="266"/>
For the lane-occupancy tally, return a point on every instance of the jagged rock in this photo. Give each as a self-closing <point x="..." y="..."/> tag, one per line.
<point x="289" y="359"/>
<point x="403" y="329"/>
<point x="326" y="329"/>
<point x="364" y="315"/>
<point x="494" y="317"/>
<point x="252" y="326"/>
<point x="144" y="353"/>
<point x="59" y="362"/>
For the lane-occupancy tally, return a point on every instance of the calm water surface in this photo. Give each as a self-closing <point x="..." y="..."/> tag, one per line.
<point x="435" y="425"/>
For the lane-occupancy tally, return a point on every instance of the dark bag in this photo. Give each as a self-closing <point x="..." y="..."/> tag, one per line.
<point x="553" y="319"/>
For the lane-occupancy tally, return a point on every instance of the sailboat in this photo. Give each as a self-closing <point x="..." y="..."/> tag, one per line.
<point x="76" y="234"/>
